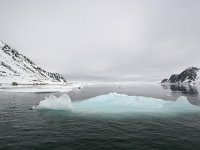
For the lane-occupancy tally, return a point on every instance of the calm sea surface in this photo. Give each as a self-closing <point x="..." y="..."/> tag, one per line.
<point x="24" y="129"/>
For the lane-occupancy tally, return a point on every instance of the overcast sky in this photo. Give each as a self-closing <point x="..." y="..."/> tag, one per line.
<point x="105" y="39"/>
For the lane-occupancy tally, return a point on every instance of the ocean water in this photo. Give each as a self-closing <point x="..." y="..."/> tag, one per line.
<point x="24" y="129"/>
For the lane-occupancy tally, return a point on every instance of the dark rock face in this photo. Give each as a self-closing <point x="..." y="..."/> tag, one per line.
<point x="190" y="74"/>
<point x="173" y="78"/>
<point x="56" y="76"/>
<point x="164" y="81"/>
<point x="187" y="76"/>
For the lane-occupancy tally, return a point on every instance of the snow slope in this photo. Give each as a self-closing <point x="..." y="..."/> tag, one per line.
<point x="15" y="67"/>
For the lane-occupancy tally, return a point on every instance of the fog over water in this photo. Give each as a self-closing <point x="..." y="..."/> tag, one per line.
<point x="105" y="39"/>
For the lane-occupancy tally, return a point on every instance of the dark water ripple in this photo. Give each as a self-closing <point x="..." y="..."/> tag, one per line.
<point x="25" y="129"/>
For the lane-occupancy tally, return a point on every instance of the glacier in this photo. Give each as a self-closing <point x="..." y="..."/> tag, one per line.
<point x="114" y="103"/>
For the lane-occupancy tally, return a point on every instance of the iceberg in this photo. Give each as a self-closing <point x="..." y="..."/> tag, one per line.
<point x="114" y="103"/>
<point x="54" y="103"/>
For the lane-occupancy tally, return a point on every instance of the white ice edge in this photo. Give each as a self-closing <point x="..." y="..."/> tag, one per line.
<point x="40" y="88"/>
<point x="116" y="83"/>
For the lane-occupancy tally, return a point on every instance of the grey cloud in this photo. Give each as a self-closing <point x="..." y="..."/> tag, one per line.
<point x="105" y="39"/>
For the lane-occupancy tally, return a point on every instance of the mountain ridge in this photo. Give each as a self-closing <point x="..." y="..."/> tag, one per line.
<point x="190" y="75"/>
<point x="17" y="68"/>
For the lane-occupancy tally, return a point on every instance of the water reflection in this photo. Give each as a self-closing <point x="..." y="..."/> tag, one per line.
<point x="188" y="90"/>
<point x="191" y="92"/>
<point x="184" y="89"/>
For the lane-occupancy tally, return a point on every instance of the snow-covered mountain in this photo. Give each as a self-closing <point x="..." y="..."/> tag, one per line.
<point x="188" y="76"/>
<point x="16" y="68"/>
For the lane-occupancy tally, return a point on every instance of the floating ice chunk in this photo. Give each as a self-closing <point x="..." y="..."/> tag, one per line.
<point x="180" y="105"/>
<point x="118" y="103"/>
<point x="54" y="103"/>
